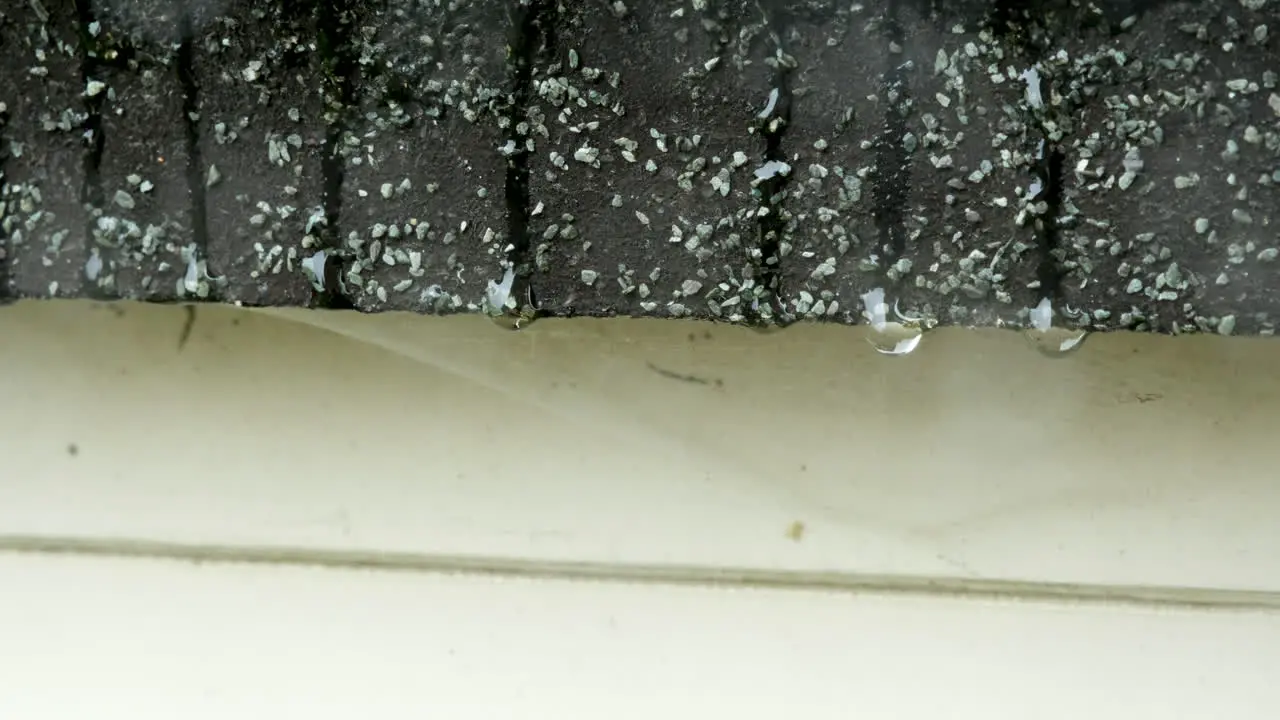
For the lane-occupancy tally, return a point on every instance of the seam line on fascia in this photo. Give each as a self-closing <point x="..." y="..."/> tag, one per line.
<point x="1147" y="596"/>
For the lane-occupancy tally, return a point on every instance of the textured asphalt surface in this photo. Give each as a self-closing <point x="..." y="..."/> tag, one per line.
<point x="751" y="161"/>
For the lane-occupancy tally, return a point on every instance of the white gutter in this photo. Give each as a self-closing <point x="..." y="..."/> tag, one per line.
<point x="974" y="465"/>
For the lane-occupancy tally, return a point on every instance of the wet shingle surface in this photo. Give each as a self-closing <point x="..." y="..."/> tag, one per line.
<point x="262" y="135"/>
<point x="1172" y="182"/>
<point x="833" y="239"/>
<point x="143" y="230"/>
<point x="747" y="161"/>
<point x="45" y="151"/>
<point x="972" y="250"/>
<point x="640" y="176"/>
<point x="423" y="213"/>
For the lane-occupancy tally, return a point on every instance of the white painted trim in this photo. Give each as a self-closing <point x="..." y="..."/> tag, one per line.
<point x="1138" y="468"/>
<point x="144" y="640"/>
<point x="1137" y="461"/>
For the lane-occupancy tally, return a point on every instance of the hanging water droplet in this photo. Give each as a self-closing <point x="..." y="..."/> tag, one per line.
<point x="874" y="308"/>
<point x="891" y="337"/>
<point x="1049" y="340"/>
<point x="516" y="319"/>
<point x="497" y="295"/>
<point x="314" y="267"/>
<point x="766" y="315"/>
<point x="500" y="304"/>
<point x="894" y="338"/>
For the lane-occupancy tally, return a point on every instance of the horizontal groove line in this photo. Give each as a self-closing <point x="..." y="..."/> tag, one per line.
<point x="1171" y="597"/>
